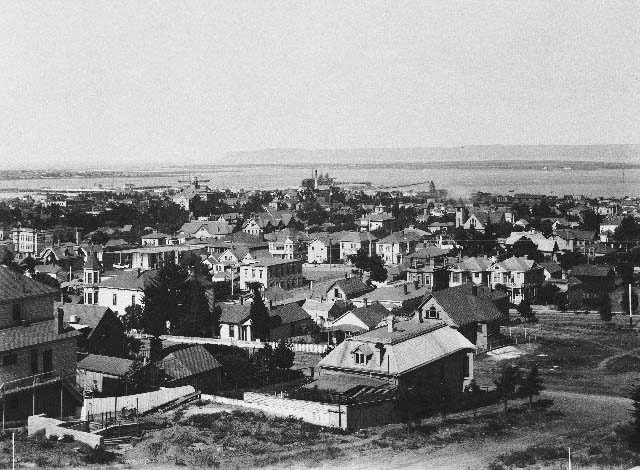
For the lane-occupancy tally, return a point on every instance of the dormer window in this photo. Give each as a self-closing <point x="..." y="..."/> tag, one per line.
<point x="433" y="313"/>
<point x="360" y="358"/>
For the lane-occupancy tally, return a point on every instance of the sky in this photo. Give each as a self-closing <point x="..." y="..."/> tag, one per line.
<point x="108" y="83"/>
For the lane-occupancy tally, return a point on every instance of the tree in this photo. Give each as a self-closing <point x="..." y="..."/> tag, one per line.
<point x="283" y="356"/>
<point x="163" y="299"/>
<point x="378" y="272"/>
<point x="261" y="363"/>
<point x="507" y="382"/>
<point x="46" y="279"/>
<point x="360" y="260"/>
<point x="196" y="316"/>
<point x="133" y="317"/>
<point x="259" y="314"/>
<point x="624" y="303"/>
<point x="474" y="396"/>
<point x="526" y="312"/>
<point x="532" y="384"/>
<point x="547" y="293"/>
<point x="604" y="307"/>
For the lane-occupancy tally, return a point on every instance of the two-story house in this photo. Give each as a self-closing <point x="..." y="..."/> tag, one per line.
<point x="124" y="289"/>
<point x="476" y="270"/>
<point x="271" y="272"/>
<point x="520" y="276"/>
<point x="323" y="248"/>
<point x="351" y="242"/>
<point x="288" y="244"/>
<point x="37" y="351"/>
<point x="394" y="248"/>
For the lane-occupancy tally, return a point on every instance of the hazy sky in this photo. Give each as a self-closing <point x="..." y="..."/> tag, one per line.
<point x="134" y="82"/>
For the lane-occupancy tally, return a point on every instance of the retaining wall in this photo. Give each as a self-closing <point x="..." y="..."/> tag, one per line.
<point x="55" y="427"/>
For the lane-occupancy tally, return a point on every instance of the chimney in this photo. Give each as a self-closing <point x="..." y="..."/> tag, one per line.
<point x="311" y="285"/>
<point x="345" y="276"/>
<point x="60" y="322"/>
<point x="390" y="324"/>
<point x="270" y="304"/>
<point x="366" y="302"/>
<point x="138" y="272"/>
<point x="241" y="300"/>
<point x="474" y="290"/>
<point x="419" y="316"/>
<point x="406" y="289"/>
<point x="77" y="236"/>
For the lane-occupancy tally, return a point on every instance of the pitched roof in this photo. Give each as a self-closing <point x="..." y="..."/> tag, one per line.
<point x="131" y="280"/>
<point x="33" y="334"/>
<point x="89" y="315"/>
<point x="289" y="313"/>
<point x="235" y="314"/>
<point x="464" y="308"/>
<point x="92" y="261"/>
<point x="371" y="315"/>
<point x="590" y="270"/>
<point x="187" y="362"/>
<point x="395" y="293"/>
<point x="352" y="286"/>
<point x="410" y="346"/>
<point x="16" y="286"/>
<point x="115" y="366"/>
<point x="517" y="264"/>
<point x="551" y="267"/>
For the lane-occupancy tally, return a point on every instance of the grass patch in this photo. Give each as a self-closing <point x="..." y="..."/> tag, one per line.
<point x="531" y="455"/>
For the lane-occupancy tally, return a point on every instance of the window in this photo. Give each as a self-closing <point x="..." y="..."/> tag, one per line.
<point x="232" y="331"/>
<point x="10" y="360"/>
<point x="133" y="300"/>
<point x="433" y="313"/>
<point x="89" y="298"/>
<point x="336" y="293"/>
<point x="34" y="361"/>
<point x="115" y="299"/>
<point x="16" y="311"/>
<point x="47" y="360"/>
<point x="89" y="278"/>
<point x="360" y="358"/>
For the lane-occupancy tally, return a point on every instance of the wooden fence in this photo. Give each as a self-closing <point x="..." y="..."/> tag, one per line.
<point x="297" y="347"/>
<point x="111" y="408"/>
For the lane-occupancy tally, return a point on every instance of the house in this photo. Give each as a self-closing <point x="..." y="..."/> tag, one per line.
<point x="289" y="320"/>
<point x="521" y="277"/>
<point x="191" y="365"/>
<point x="271" y="272"/>
<point x="37" y="351"/>
<point x="235" y="322"/>
<point x="351" y="242"/>
<point x="346" y="289"/>
<point x="393" y="248"/>
<point x="288" y="244"/>
<point x="404" y="296"/>
<point x="155" y="239"/>
<point x="66" y="257"/>
<point x="205" y="229"/>
<point x="124" y="289"/>
<point x="478" y="221"/>
<point x="361" y="319"/>
<point x="475" y="311"/>
<point x="29" y="242"/>
<point x="153" y="257"/>
<point x="112" y="376"/>
<point x="188" y="196"/>
<point x="409" y="360"/>
<point x="596" y="280"/>
<point x="551" y="270"/>
<point x="608" y="226"/>
<point x="376" y="221"/>
<point x="323" y="248"/>
<point x="322" y="312"/>
<point x="476" y="270"/>
<point x="102" y="331"/>
<point x="574" y="240"/>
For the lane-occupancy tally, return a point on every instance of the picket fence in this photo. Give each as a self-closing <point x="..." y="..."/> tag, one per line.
<point x="297" y="347"/>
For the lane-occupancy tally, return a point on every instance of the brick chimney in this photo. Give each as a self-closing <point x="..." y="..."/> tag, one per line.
<point x="406" y="289"/>
<point x="419" y="316"/>
<point x="390" y="327"/>
<point x="60" y="320"/>
<point x="474" y="290"/>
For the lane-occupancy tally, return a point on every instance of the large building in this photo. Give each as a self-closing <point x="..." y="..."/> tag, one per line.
<point x="37" y="351"/>
<point x="271" y="272"/>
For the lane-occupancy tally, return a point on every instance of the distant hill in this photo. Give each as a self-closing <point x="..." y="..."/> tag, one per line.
<point x="623" y="153"/>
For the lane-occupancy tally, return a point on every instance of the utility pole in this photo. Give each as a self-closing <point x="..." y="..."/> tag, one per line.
<point x="630" y="309"/>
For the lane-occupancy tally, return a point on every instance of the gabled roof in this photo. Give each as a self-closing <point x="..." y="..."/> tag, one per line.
<point x="371" y="315"/>
<point x="89" y="315"/>
<point x="234" y="314"/>
<point x="591" y="270"/>
<point x="33" y="334"/>
<point x="551" y="267"/>
<point x="187" y="362"/>
<point x="399" y="237"/>
<point x="92" y="261"/>
<point x="464" y="308"/>
<point x="16" y="286"/>
<point x="395" y="293"/>
<point x="517" y="264"/>
<point x="410" y="346"/>
<point x="115" y="366"/>
<point x="131" y="280"/>
<point x="289" y="313"/>
<point x="352" y="286"/>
